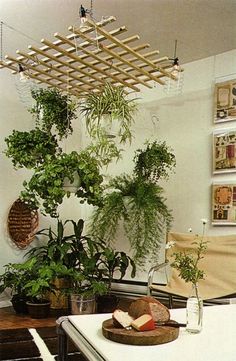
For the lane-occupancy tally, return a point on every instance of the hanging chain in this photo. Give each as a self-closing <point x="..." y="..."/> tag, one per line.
<point x="91" y="9"/>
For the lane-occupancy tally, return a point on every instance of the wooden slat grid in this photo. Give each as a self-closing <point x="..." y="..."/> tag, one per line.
<point x="85" y="59"/>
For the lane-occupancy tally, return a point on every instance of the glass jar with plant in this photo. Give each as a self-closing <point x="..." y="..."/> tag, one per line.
<point x="46" y="186"/>
<point x="54" y="109"/>
<point x="187" y="263"/>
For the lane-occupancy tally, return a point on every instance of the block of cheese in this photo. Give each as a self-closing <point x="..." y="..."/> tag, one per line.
<point x="149" y="305"/>
<point x="143" y="323"/>
<point x="121" y="319"/>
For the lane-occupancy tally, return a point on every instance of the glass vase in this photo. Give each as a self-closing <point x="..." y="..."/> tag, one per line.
<point x="194" y="311"/>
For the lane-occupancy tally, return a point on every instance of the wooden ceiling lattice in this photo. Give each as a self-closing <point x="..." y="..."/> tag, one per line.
<point x="87" y="58"/>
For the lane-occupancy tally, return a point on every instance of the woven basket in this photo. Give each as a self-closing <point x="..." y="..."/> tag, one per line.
<point x="22" y="223"/>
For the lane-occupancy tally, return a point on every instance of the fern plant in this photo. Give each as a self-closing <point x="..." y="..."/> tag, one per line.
<point x="142" y="208"/>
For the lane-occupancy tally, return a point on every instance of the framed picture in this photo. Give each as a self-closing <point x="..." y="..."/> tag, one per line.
<point x="225" y="101"/>
<point x="224" y="151"/>
<point x="224" y="204"/>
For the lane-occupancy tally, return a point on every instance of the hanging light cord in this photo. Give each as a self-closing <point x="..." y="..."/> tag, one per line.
<point x="17" y="31"/>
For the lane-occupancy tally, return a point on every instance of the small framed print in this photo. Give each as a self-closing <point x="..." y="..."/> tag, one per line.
<point x="224" y="204"/>
<point x="225" y="101"/>
<point x="224" y="151"/>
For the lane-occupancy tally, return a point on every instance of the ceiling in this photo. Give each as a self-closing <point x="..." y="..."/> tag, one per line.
<point x="202" y="27"/>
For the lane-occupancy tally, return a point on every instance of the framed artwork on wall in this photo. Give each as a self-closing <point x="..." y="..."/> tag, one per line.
<point x="225" y="101"/>
<point x="224" y="204"/>
<point x="224" y="151"/>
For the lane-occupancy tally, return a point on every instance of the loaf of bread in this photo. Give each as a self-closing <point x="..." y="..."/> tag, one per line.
<point x="149" y="305"/>
<point x="144" y="323"/>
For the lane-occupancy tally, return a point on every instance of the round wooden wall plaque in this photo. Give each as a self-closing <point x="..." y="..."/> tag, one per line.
<point x="22" y="223"/>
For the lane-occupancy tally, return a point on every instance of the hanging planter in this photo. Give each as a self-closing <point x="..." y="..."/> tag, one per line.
<point x="117" y="108"/>
<point x="70" y="185"/>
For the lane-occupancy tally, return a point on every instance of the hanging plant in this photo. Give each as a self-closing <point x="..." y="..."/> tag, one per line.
<point x="154" y="162"/>
<point x="46" y="186"/>
<point x="54" y="109"/>
<point x="142" y="208"/>
<point x="29" y="149"/>
<point x="114" y="103"/>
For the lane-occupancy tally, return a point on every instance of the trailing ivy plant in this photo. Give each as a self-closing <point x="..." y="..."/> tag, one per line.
<point x="143" y="210"/>
<point x="45" y="188"/>
<point x="54" y="109"/>
<point x="154" y="162"/>
<point x="29" y="149"/>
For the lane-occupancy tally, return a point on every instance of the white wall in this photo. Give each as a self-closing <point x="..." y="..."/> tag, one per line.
<point x="185" y="123"/>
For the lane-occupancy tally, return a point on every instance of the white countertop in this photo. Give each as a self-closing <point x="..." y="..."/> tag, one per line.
<point x="216" y="341"/>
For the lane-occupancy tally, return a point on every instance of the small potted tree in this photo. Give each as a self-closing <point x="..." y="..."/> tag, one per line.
<point x="36" y="288"/>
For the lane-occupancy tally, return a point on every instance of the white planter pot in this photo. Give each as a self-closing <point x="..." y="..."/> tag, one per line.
<point x="72" y="187"/>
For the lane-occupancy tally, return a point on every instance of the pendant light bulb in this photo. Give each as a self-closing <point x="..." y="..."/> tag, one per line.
<point x="83" y="18"/>
<point x="23" y="76"/>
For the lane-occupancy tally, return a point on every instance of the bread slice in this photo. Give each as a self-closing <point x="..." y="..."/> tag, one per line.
<point x="149" y="305"/>
<point x="144" y="323"/>
<point x="121" y="319"/>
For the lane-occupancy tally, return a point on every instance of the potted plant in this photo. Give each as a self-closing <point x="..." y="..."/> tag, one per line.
<point x="113" y="102"/>
<point x="36" y="288"/>
<point x="71" y="257"/>
<point x="154" y="162"/>
<point x="112" y="263"/>
<point x="46" y="186"/>
<point x="54" y="109"/>
<point x="14" y="279"/>
<point x="141" y="206"/>
<point x="29" y="149"/>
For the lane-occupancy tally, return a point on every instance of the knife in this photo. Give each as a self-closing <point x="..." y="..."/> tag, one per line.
<point x="170" y="324"/>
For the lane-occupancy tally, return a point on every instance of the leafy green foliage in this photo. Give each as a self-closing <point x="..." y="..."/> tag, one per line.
<point x="155" y="161"/>
<point x="115" y="261"/>
<point x="54" y="109"/>
<point x="113" y="101"/>
<point x="142" y="208"/>
<point x="187" y="263"/>
<point x="14" y="279"/>
<point x="29" y="149"/>
<point x="101" y="110"/>
<point x="46" y="185"/>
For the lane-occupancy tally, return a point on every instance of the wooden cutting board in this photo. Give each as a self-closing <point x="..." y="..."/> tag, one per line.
<point x="162" y="334"/>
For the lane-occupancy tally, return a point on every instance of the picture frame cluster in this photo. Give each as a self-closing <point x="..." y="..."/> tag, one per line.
<point x="224" y="154"/>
